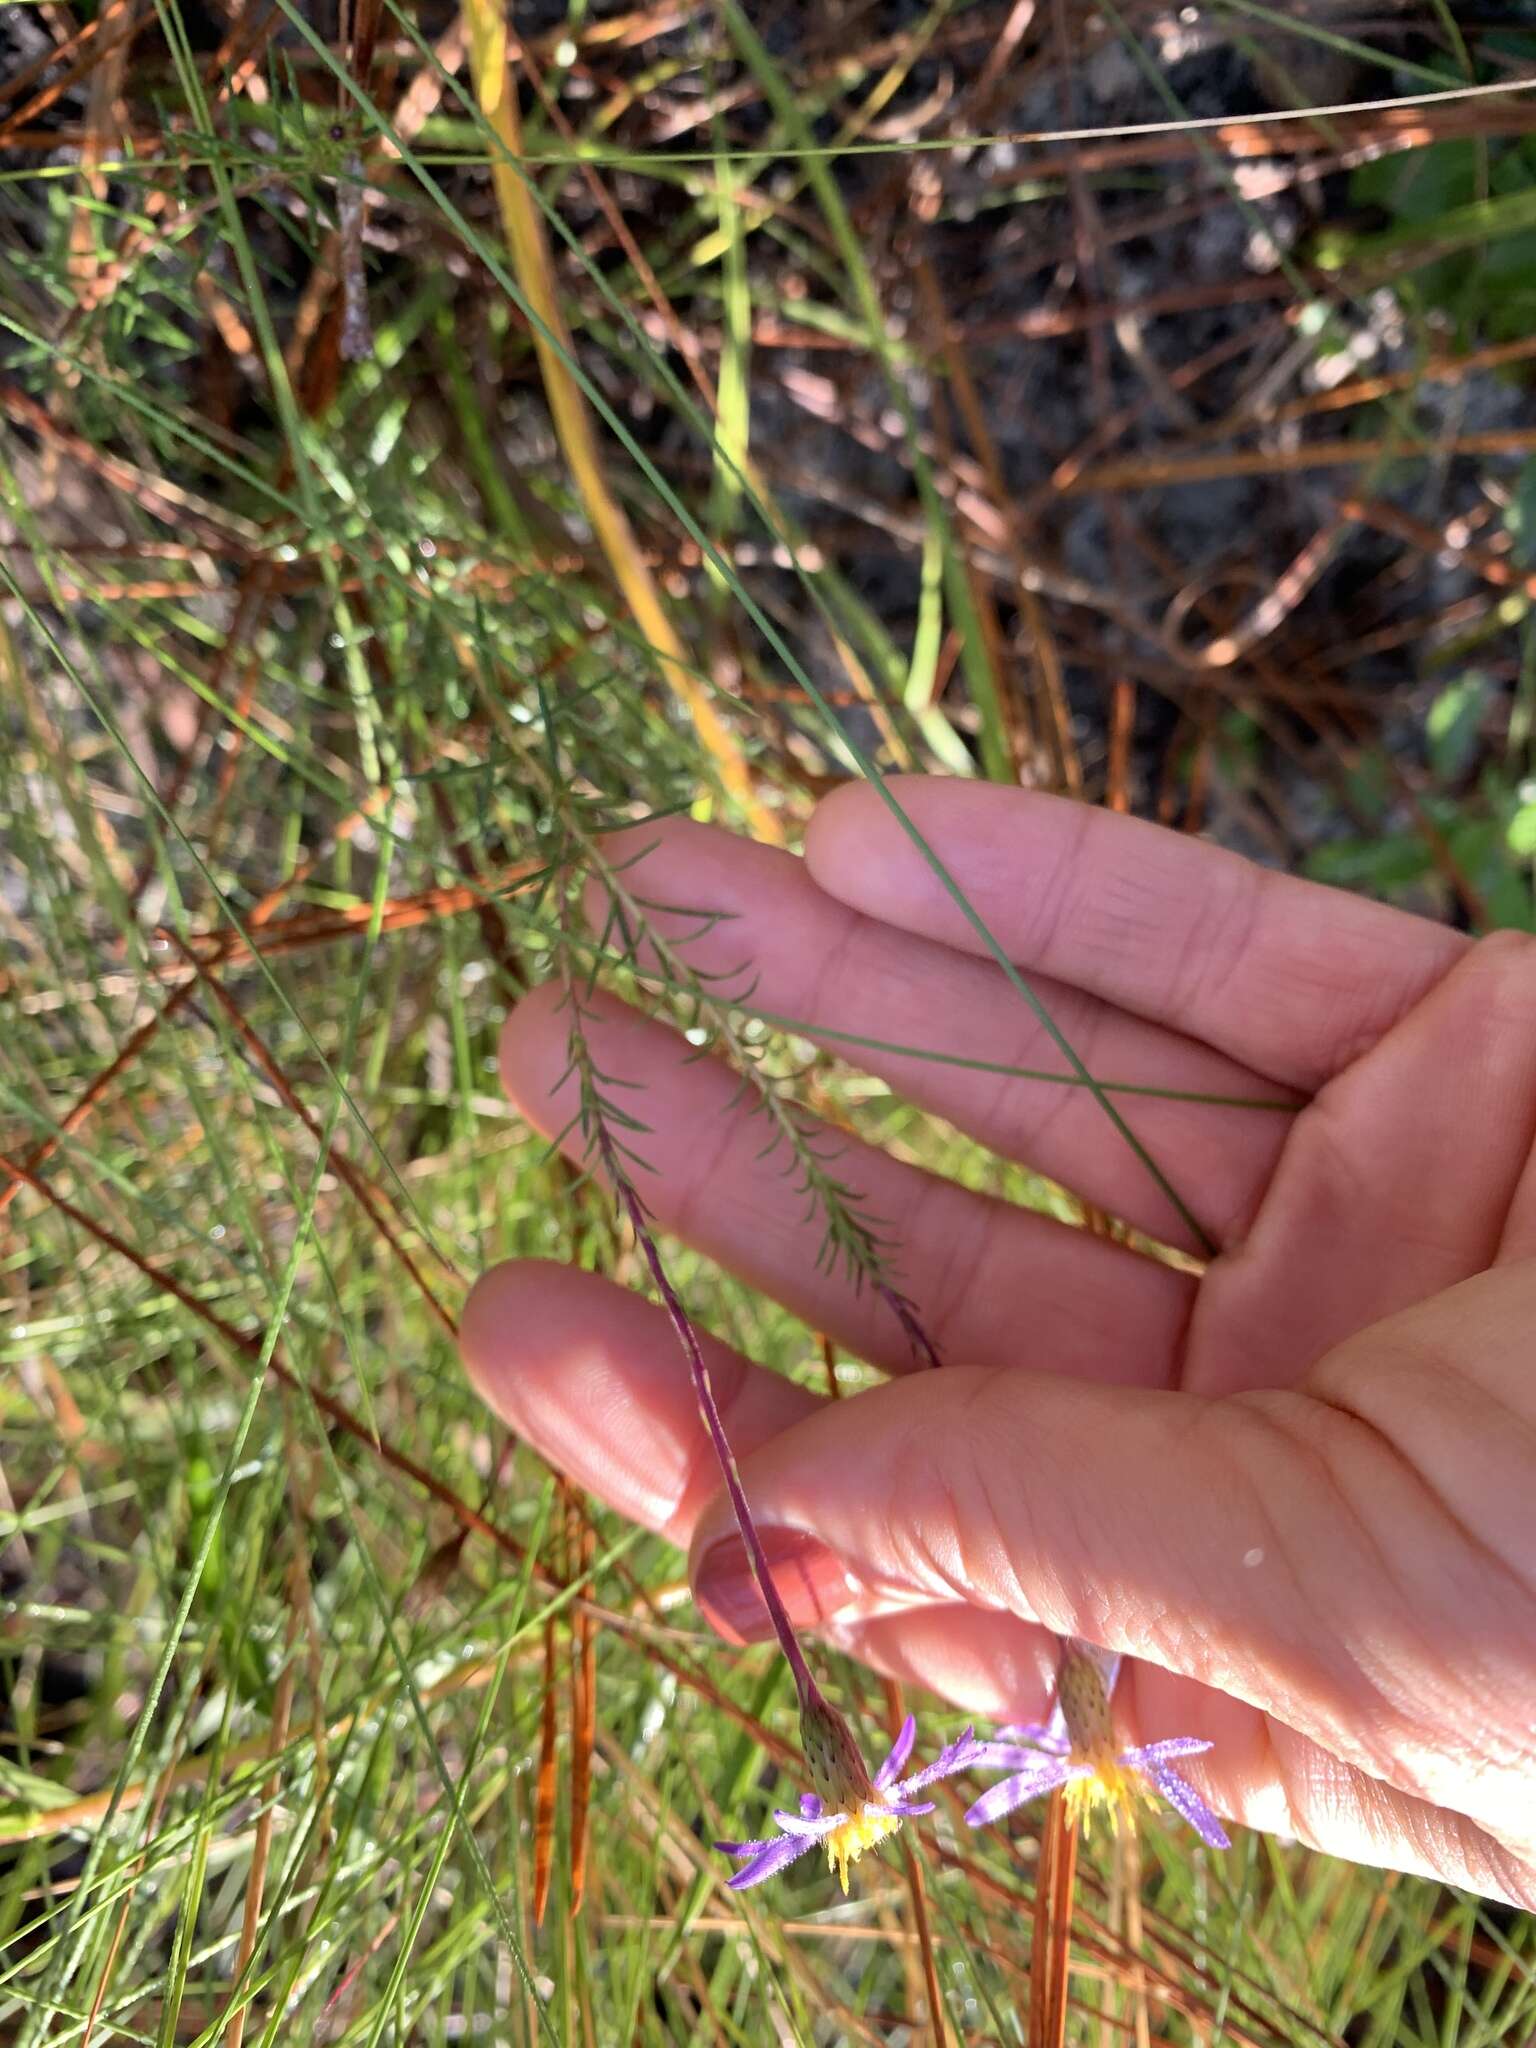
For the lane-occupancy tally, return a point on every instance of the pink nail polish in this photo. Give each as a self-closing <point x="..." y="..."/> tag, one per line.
<point x="812" y="1582"/>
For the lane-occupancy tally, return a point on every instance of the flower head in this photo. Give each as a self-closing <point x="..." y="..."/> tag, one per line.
<point x="849" y="1811"/>
<point x="1076" y="1750"/>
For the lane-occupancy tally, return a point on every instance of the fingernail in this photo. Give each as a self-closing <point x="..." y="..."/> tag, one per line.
<point x="812" y="1582"/>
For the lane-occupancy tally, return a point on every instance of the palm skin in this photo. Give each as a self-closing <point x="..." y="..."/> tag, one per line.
<point x="1299" y="1491"/>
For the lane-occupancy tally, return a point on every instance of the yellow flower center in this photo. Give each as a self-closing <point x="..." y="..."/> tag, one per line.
<point x="848" y="1841"/>
<point x="1111" y="1789"/>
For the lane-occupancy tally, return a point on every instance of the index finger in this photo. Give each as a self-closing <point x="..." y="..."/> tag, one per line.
<point x="1292" y="978"/>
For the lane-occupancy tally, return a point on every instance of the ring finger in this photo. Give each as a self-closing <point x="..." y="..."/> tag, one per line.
<point x="991" y="1283"/>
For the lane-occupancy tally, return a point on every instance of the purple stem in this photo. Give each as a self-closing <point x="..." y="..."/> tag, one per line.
<point x="805" y="1685"/>
<point x="923" y="1347"/>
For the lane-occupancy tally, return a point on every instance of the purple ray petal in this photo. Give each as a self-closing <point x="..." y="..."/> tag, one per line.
<point x="1153" y="1753"/>
<point x="806" y="1828"/>
<point x="903" y="1806"/>
<point x="774" y="1857"/>
<point x="747" y="1848"/>
<point x="1046" y="1773"/>
<point x="1049" y="1735"/>
<point x="901" y="1749"/>
<point x="810" y="1805"/>
<point x="1012" y="1756"/>
<point x="962" y="1755"/>
<point x="1184" y="1799"/>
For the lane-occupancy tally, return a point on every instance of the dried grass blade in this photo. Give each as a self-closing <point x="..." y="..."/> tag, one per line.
<point x="925" y="1943"/>
<point x="533" y="267"/>
<point x="583" y="1713"/>
<point x="544" y="1797"/>
<point x="1049" y="1954"/>
<point x="261" y="1850"/>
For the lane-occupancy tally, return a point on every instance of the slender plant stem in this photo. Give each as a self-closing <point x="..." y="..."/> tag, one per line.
<point x="703" y="1387"/>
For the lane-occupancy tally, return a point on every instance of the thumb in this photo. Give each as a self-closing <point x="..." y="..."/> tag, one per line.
<point x="1278" y="1546"/>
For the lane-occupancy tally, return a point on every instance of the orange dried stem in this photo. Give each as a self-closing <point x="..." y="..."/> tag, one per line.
<point x="163" y="1789"/>
<point x="544" y="1798"/>
<point x="829" y="1366"/>
<point x="1050" y="1954"/>
<point x="583" y="1713"/>
<point x="261" y="1847"/>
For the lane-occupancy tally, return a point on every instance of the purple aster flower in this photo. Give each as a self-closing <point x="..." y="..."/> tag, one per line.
<point x="1076" y="1750"/>
<point x="850" y="1811"/>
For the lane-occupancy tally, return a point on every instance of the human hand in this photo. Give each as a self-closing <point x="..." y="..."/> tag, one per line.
<point x="1300" y="1491"/>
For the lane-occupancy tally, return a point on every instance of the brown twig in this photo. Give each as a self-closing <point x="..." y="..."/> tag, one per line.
<point x="335" y="1158"/>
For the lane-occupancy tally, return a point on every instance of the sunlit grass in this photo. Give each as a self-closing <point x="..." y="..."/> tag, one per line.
<point x="314" y="674"/>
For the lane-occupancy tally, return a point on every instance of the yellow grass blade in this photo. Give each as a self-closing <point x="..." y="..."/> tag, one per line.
<point x="534" y="270"/>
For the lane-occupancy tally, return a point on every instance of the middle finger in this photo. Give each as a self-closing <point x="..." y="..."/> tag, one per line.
<point x="882" y="998"/>
<point x="992" y="1284"/>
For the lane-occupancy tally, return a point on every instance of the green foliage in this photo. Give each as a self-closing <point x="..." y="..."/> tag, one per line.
<point x="1466" y="828"/>
<point x="1462" y="239"/>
